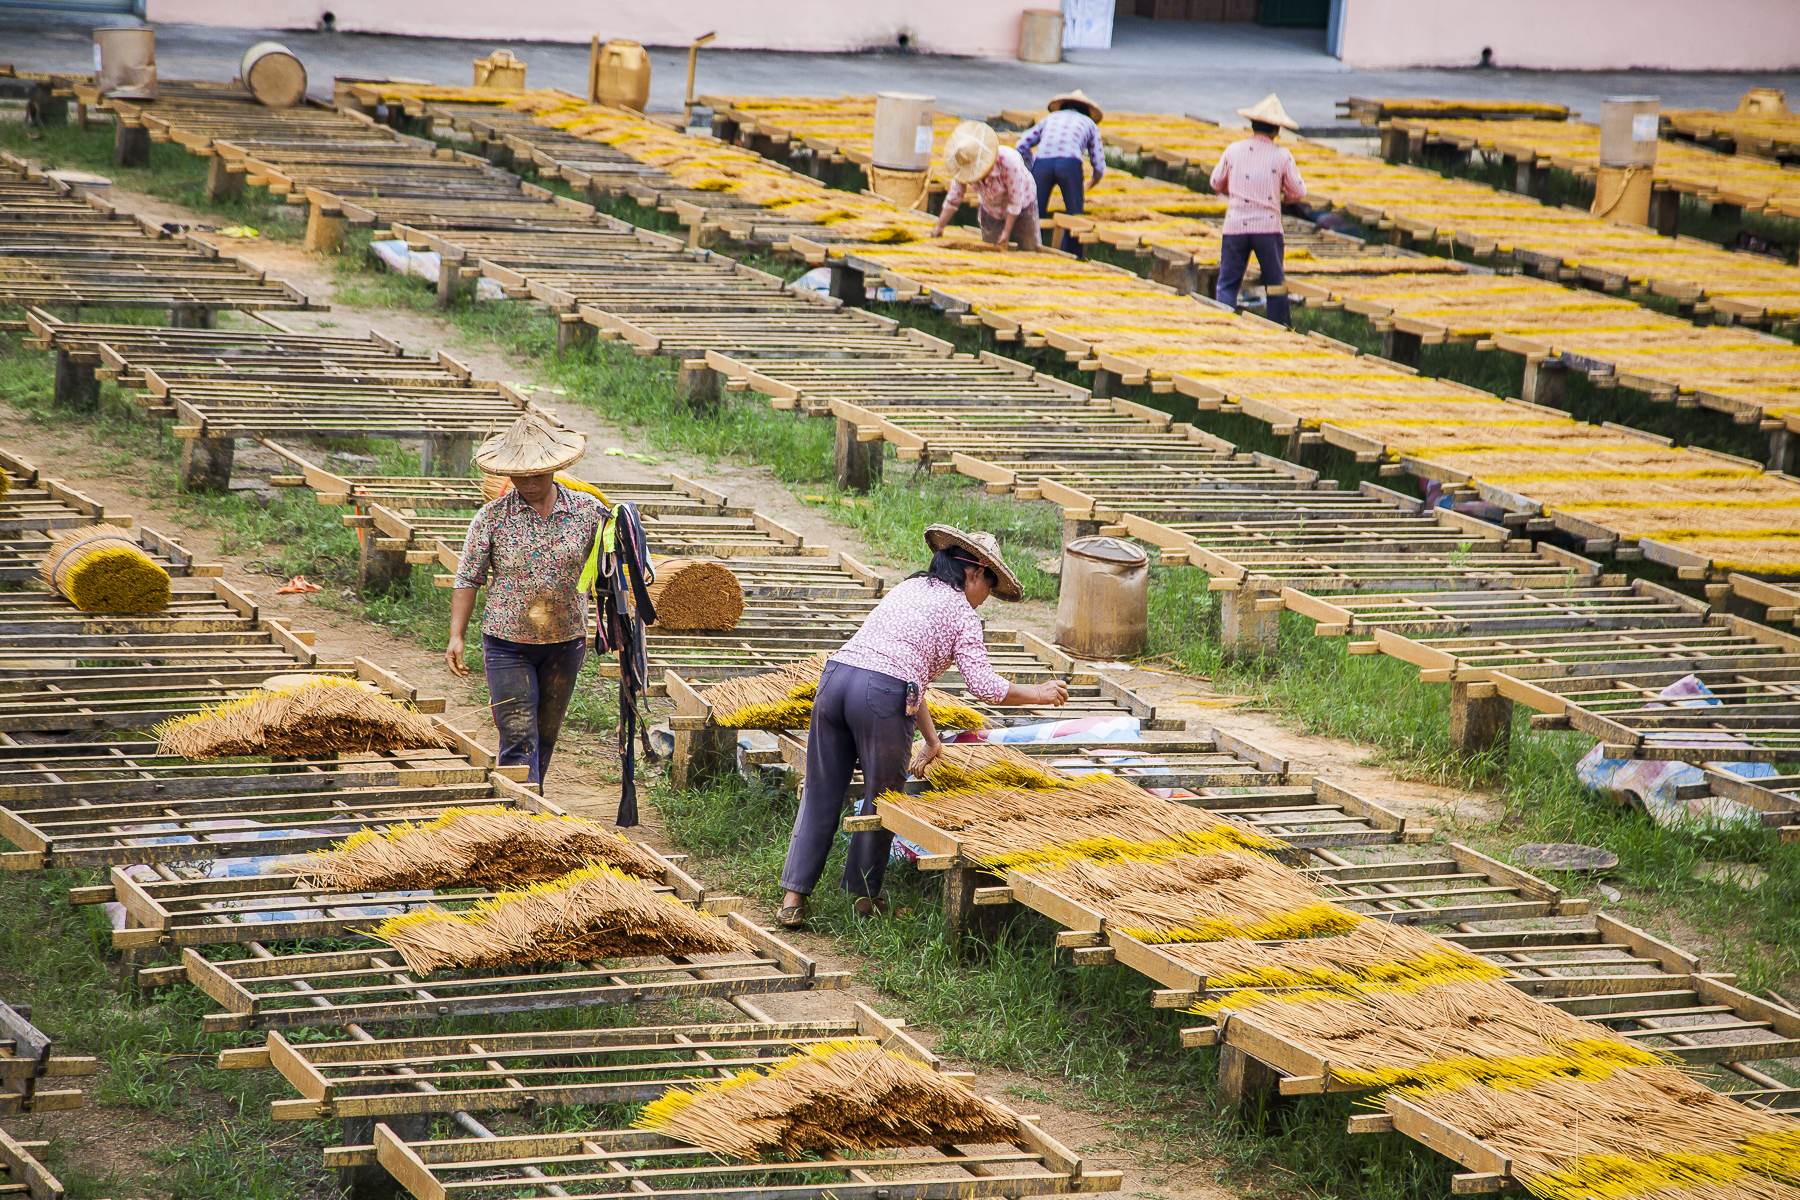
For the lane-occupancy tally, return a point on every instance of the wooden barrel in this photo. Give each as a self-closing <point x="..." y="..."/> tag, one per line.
<point x="622" y="75"/>
<point x="125" y="61"/>
<point x="273" y="75"/>
<point x="1103" y="609"/>
<point x="1040" y="35"/>
<point x="904" y="123"/>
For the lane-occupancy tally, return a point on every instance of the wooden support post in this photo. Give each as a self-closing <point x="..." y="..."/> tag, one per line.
<point x="858" y="463"/>
<point x="76" y="386"/>
<point x="1107" y="384"/>
<point x="447" y="455"/>
<point x="45" y="107"/>
<point x="1073" y="529"/>
<point x="702" y="756"/>
<point x="572" y="333"/>
<point x="1183" y="277"/>
<point x="1245" y="633"/>
<point x="1246" y="1084"/>
<point x="961" y="914"/>
<point x="382" y="571"/>
<point x="698" y="386"/>
<point x="1727" y="212"/>
<point x="847" y="285"/>
<point x="499" y="153"/>
<point x="324" y="232"/>
<point x="1393" y="144"/>
<point x="1531" y="180"/>
<point x="1302" y="450"/>
<point x="1665" y="211"/>
<point x="1782" y="444"/>
<point x="191" y="318"/>
<point x="1480" y="718"/>
<point x="1544" y="381"/>
<point x="456" y="281"/>
<point x="131" y="144"/>
<point x="206" y="464"/>
<point x="373" y="1182"/>
<point x="222" y="184"/>
<point x="1399" y="346"/>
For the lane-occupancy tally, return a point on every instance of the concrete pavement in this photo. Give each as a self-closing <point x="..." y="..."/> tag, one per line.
<point x="1165" y="66"/>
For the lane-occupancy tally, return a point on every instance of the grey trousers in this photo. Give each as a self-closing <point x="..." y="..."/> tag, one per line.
<point x="857" y="716"/>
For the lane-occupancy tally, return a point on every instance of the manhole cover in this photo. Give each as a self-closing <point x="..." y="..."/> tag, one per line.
<point x="1564" y="856"/>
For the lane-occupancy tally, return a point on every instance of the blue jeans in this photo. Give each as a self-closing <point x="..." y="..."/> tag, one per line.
<point x="530" y="684"/>
<point x="1064" y="173"/>
<point x="1234" y="256"/>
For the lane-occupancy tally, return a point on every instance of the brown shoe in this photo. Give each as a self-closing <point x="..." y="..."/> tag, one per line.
<point x="792" y="916"/>
<point x="876" y="905"/>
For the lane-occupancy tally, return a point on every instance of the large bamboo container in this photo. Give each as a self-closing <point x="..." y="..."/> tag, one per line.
<point x="621" y="75"/>
<point x="1628" y="139"/>
<point x="125" y="62"/>
<point x="273" y="75"/>
<point x="1040" y="35"/>
<point x="1103" y="610"/>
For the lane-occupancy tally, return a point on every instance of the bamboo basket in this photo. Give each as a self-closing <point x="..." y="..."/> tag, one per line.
<point x="472" y="847"/>
<point x="319" y="715"/>
<point x="832" y="1096"/>
<point x="100" y="568"/>
<point x="595" y="912"/>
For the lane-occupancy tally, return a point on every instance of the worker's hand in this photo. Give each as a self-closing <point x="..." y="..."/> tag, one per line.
<point x="453" y="655"/>
<point x="922" y="759"/>
<point x="1053" y="692"/>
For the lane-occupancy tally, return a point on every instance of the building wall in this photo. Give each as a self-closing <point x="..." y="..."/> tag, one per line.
<point x="1593" y="35"/>
<point x="975" y="27"/>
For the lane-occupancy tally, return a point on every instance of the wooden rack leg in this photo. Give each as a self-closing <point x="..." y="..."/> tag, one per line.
<point x="499" y="153"/>
<point x="1399" y="346"/>
<point x="1480" y="718"/>
<point x="206" y="464"/>
<point x="447" y="456"/>
<point x="847" y="285"/>
<point x="961" y="914"/>
<point x="702" y="756"/>
<point x="1183" y="277"/>
<point x="131" y="144"/>
<point x="373" y="1181"/>
<point x="1665" y="211"/>
<point x="76" y="386"/>
<point x="191" y="318"/>
<point x="858" y="462"/>
<point x="1246" y="1084"/>
<point x="1531" y="180"/>
<point x="696" y="383"/>
<point x="1544" y="381"/>
<point x="456" y="281"/>
<point x="222" y="184"/>
<point x="1245" y="633"/>
<point x="324" y="230"/>
<point x="381" y="571"/>
<point x="1782" y="444"/>
<point x="1074" y="528"/>
<point x="1393" y="144"/>
<point x="572" y="333"/>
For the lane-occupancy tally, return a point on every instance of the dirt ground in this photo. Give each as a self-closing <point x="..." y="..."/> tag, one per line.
<point x="71" y="455"/>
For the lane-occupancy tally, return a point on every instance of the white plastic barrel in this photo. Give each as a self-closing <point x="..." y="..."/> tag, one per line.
<point x="904" y="125"/>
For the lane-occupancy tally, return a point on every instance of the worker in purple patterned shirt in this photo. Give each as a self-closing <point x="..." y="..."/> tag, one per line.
<point x="1257" y="176"/>
<point x="1055" y="147"/>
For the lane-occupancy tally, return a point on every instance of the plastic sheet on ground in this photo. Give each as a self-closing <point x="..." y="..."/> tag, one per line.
<point x="426" y="264"/>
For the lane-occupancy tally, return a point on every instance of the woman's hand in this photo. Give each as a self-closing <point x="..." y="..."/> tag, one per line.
<point x="453" y="655"/>
<point x="1053" y="692"/>
<point x="930" y="750"/>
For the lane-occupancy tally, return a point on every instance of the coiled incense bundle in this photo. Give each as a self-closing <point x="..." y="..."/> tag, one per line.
<point x="841" y="1095"/>
<point x="692" y="593"/>
<point x="472" y="847"/>
<point x="322" y="714"/>
<point x="783" y="700"/>
<point x="101" y="568"/>
<point x="596" y="912"/>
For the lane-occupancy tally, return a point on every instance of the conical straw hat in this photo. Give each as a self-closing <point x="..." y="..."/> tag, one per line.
<point x="1077" y="97"/>
<point x="970" y="151"/>
<point x="1269" y="111"/>
<point x="530" y="447"/>
<point x="984" y="548"/>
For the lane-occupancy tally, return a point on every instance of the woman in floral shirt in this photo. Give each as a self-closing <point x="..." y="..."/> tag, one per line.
<point x="528" y="547"/>
<point x="870" y="697"/>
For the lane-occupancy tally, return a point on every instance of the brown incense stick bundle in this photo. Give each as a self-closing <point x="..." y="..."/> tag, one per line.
<point x="320" y="714"/>
<point x="783" y="700"/>
<point x="842" y="1095"/>
<point x="473" y="847"/>
<point x="693" y="593"/>
<point x="592" y="913"/>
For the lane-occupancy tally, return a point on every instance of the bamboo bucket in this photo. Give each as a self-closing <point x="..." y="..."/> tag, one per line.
<point x="621" y="75"/>
<point x="904" y="125"/>
<point x="125" y="62"/>
<point x="1040" y="35"/>
<point x="273" y="75"/>
<point x="904" y="189"/>
<point x="500" y="71"/>
<point x="1103" y="610"/>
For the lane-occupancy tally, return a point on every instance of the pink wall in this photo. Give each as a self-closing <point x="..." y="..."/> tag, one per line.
<point x="1682" y="35"/>
<point x="979" y="27"/>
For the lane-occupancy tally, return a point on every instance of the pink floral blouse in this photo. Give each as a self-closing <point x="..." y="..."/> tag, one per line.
<point x="917" y="632"/>
<point x="534" y="563"/>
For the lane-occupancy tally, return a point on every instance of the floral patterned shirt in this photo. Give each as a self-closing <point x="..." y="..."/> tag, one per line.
<point x="917" y="631"/>
<point x="1008" y="189"/>
<point x="534" y="562"/>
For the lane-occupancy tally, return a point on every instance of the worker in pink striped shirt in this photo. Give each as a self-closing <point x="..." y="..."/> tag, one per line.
<point x="1257" y="177"/>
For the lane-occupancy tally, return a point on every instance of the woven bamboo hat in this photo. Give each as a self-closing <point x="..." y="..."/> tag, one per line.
<point x="1269" y="111"/>
<point x="984" y="549"/>
<point x="1077" y="97"/>
<point x="970" y="151"/>
<point x="530" y="447"/>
